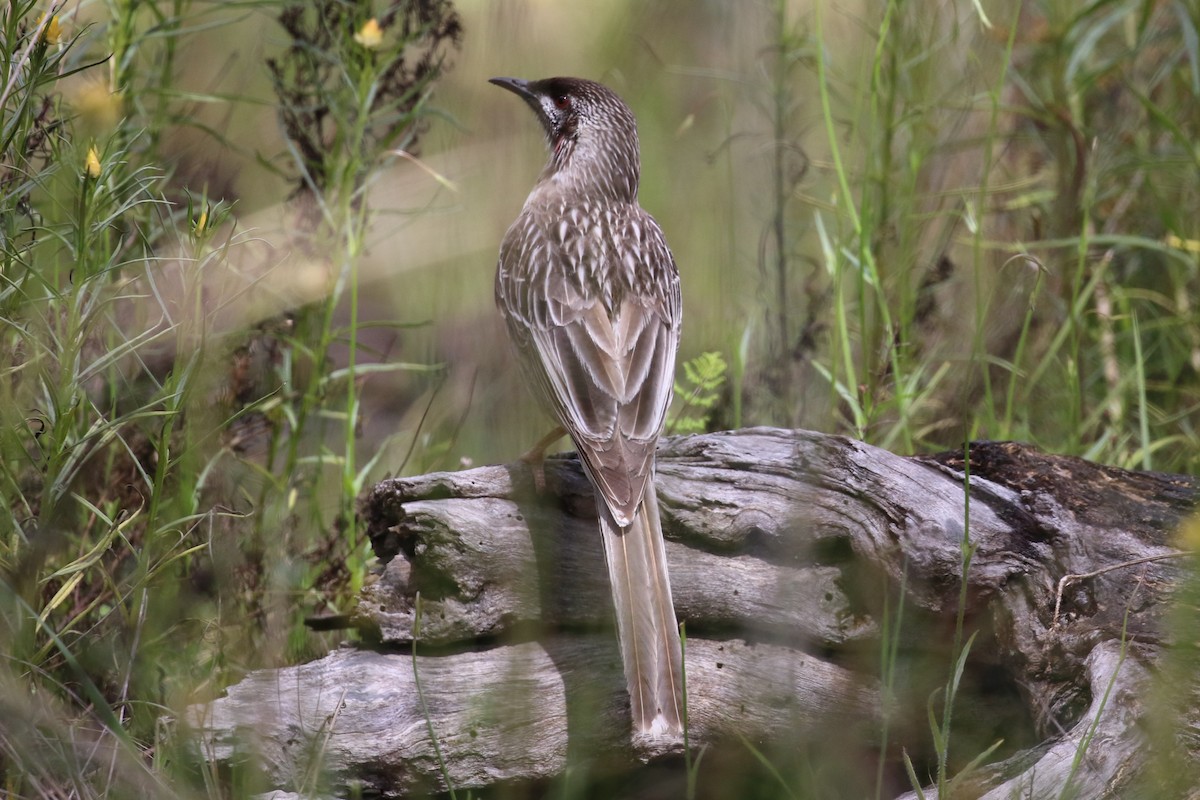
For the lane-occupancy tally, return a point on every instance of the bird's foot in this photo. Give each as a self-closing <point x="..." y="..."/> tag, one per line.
<point x="535" y="457"/>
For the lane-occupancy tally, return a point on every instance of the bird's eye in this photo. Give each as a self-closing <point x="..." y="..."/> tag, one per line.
<point x="562" y="101"/>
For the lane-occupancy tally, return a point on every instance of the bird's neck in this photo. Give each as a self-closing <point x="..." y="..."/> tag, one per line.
<point x="605" y="171"/>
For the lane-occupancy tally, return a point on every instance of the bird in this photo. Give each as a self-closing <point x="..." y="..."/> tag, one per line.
<point x="590" y="295"/>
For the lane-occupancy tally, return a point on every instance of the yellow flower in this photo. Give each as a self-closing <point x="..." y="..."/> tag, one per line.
<point x="53" y="32"/>
<point x="92" y="164"/>
<point x="202" y="222"/>
<point x="100" y="109"/>
<point x="1190" y="245"/>
<point x="370" y="35"/>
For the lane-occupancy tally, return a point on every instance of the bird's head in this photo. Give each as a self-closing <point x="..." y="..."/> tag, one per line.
<point x="591" y="132"/>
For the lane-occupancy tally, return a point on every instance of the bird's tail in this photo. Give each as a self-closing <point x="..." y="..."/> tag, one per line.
<point x="646" y="626"/>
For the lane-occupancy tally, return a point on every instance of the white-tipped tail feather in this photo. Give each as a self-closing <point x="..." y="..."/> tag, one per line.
<point x="646" y="626"/>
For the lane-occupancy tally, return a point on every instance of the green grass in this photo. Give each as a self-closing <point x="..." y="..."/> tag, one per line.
<point x="178" y="487"/>
<point x="986" y="229"/>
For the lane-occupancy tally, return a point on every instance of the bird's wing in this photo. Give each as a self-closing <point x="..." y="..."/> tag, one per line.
<point x="596" y="320"/>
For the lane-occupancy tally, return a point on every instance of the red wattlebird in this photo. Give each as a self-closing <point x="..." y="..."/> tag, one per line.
<point x="590" y="293"/>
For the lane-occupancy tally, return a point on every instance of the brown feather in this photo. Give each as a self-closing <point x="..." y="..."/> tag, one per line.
<point x="590" y="294"/>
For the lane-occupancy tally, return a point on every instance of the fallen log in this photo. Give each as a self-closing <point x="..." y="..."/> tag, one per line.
<point x="778" y="545"/>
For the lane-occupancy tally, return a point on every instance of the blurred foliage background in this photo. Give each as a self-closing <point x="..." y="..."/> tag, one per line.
<point x="248" y="251"/>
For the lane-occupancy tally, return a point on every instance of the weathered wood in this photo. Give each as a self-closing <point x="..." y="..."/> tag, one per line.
<point x="504" y="712"/>
<point x="1104" y="768"/>
<point x="766" y="528"/>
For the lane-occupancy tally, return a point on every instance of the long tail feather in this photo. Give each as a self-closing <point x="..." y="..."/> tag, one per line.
<point x="646" y="626"/>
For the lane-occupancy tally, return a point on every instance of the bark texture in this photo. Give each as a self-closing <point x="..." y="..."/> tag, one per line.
<point x="779" y="545"/>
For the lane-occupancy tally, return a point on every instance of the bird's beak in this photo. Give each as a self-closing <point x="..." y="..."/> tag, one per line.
<point x="517" y="87"/>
